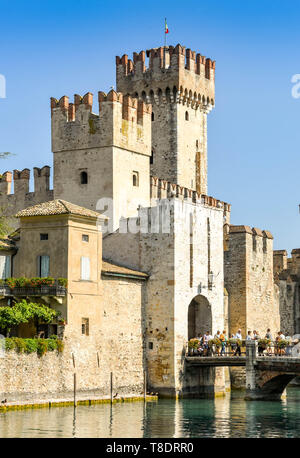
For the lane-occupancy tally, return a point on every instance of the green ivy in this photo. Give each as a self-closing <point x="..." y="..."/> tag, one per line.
<point x="23" y="312"/>
<point x="39" y="346"/>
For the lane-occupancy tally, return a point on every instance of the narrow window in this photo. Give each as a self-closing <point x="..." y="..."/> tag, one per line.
<point x="150" y="345"/>
<point x="152" y="116"/>
<point x="83" y="178"/>
<point x="197" y="144"/>
<point x="135" y="178"/>
<point x="264" y="244"/>
<point x="43" y="236"/>
<point x="5" y="267"/>
<point x="85" y="326"/>
<point x="85" y="268"/>
<point x="151" y="157"/>
<point x="186" y="116"/>
<point x="43" y="266"/>
<point x="85" y="238"/>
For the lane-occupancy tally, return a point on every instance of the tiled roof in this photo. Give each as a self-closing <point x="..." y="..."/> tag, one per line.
<point x="6" y="244"/>
<point x="109" y="268"/>
<point x="57" y="207"/>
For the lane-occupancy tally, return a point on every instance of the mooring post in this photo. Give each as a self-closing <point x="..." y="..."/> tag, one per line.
<point x="75" y="400"/>
<point x="74" y="381"/>
<point x="111" y="387"/>
<point x="145" y="385"/>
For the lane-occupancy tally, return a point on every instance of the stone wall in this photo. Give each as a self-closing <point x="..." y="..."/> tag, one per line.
<point x="249" y="281"/>
<point x="178" y="261"/>
<point x="287" y="279"/>
<point x="12" y="202"/>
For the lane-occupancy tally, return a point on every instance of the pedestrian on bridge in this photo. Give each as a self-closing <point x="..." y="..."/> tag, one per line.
<point x="239" y="338"/>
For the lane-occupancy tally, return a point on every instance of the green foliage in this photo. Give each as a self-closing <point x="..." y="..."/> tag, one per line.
<point x="31" y="345"/>
<point x="23" y="312"/>
<point x="34" y="282"/>
<point x="42" y="346"/>
<point x="217" y="342"/>
<point x="62" y="282"/>
<point x="193" y="343"/>
<point x="39" y="346"/>
<point x="282" y="343"/>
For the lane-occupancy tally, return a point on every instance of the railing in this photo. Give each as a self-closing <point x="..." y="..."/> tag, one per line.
<point x="43" y="290"/>
<point x="279" y="348"/>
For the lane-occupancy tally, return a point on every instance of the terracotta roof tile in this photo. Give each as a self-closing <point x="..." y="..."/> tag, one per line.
<point x="57" y="207"/>
<point x="110" y="268"/>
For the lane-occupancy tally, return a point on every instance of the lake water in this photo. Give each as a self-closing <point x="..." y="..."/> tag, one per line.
<point x="222" y="417"/>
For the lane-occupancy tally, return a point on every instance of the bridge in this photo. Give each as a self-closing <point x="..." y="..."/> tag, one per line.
<point x="266" y="376"/>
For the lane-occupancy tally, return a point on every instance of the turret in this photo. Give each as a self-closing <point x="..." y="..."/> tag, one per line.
<point x="180" y="86"/>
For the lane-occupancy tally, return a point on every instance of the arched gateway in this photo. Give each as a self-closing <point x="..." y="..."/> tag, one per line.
<point x="199" y="316"/>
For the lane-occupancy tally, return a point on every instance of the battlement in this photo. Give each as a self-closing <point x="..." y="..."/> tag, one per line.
<point x="255" y="232"/>
<point x="186" y="76"/>
<point x="21" y="197"/>
<point x="122" y="121"/>
<point x="162" y="189"/>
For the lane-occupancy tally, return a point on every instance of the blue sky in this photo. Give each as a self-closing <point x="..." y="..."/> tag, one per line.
<point x="51" y="48"/>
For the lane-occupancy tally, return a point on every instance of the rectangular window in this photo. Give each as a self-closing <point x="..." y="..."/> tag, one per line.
<point x="85" y="326"/>
<point x="85" y="268"/>
<point x="85" y="238"/>
<point x="43" y="236"/>
<point x="135" y="178"/>
<point x="150" y="345"/>
<point x="43" y="266"/>
<point x="5" y="267"/>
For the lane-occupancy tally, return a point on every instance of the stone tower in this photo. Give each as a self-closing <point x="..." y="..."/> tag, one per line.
<point x="180" y="85"/>
<point x="101" y="161"/>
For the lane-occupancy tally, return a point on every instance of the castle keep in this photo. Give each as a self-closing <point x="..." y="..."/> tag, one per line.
<point x="157" y="275"/>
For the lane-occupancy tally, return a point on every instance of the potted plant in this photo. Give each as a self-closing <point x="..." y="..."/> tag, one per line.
<point x="193" y="346"/>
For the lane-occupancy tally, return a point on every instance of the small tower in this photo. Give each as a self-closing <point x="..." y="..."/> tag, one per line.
<point x="101" y="161"/>
<point x="180" y="84"/>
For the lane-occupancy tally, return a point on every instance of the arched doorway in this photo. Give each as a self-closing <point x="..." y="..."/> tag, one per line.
<point x="199" y="316"/>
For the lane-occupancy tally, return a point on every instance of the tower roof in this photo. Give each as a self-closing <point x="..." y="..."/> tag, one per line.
<point x="58" y="207"/>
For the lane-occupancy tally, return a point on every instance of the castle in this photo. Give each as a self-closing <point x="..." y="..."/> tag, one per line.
<point x="168" y="264"/>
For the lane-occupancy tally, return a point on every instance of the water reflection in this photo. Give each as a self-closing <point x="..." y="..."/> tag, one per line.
<point x="222" y="417"/>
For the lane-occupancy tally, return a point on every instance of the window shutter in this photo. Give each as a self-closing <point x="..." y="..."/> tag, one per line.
<point x="45" y="263"/>
<point x="7" y="270"/>
<point x="2" y="266"/>
<point x="85" y="268"/>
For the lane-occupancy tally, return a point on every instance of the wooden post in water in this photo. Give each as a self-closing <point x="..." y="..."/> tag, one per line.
<point x="111" y="387"/>
<point x="74" y="381"/>
<point x="75" y="401"/>
<point x="145" y="385"/>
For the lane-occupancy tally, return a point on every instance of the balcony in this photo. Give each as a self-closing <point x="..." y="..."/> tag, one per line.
<point x="54" y="290"/>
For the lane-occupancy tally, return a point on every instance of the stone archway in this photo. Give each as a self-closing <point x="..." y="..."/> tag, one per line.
<point x="199" y="316"/>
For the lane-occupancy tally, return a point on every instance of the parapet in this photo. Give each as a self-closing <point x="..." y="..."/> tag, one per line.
<point x="162" y="189"/>
<point x="21" y="197"/>
<point x="178" y="69"/>
<point x="122" y="121"/>
<point x="258" y="240"/>
<point x="279" y="261"/>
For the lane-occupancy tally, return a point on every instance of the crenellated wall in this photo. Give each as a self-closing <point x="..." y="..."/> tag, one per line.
<point x="249" y="281"/>
<point x="287" y="278"/>
<point x="21" y="198"/>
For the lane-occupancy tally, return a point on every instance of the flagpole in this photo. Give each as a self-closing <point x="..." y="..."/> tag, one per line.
<point x="165" y="43"/>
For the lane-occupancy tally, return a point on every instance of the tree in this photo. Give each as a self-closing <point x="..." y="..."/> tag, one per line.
<point x="23" y="312"/>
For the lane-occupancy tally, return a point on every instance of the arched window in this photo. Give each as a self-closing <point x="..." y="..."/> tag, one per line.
<point x="83" y="178"/>
<point x="186" y="116"/>
<point x="152" y="116"/>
